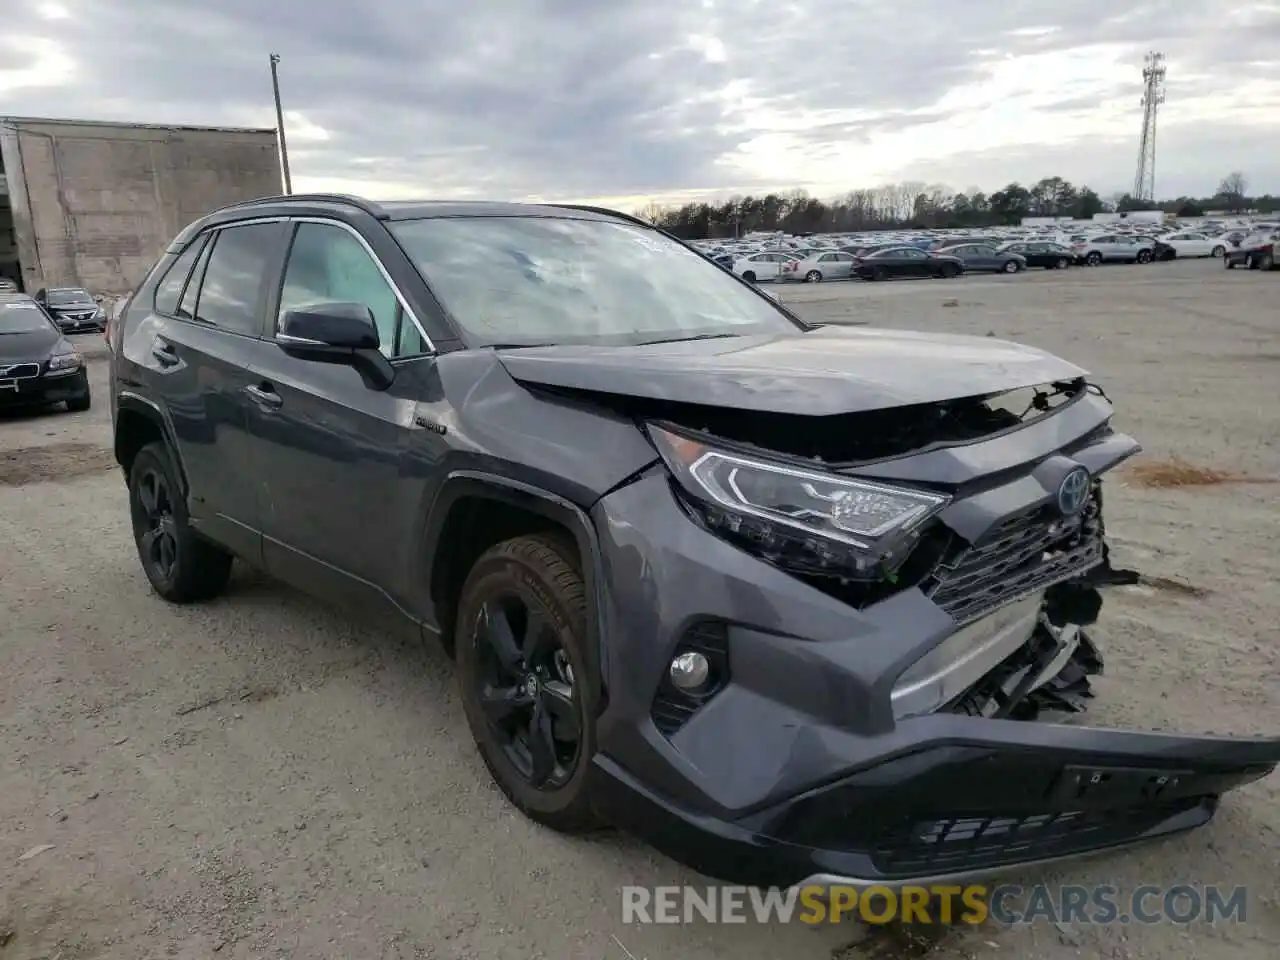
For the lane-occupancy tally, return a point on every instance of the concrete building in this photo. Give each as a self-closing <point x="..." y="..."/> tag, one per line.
<point x="93" y="205"/>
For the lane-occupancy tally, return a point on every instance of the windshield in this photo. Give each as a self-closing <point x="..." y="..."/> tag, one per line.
<point x="521" y="281"/>
<point x="22" y="316"/>
<point x="69" y="296"/>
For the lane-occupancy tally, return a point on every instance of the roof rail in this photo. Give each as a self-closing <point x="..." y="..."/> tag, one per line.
<point x="587" y="208"/>
<point x="359" y="202"/>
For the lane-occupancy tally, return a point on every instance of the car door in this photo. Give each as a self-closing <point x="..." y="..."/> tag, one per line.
<point x="983" y="257"/>
<point x="1197" y="245"/>
<point x="330" y="449"/>
<point x="917" y="262"/>
<point x="842" y="265"/>
<point x="191" y="356"/>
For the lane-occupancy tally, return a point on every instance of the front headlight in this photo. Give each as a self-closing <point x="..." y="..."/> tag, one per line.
<point x="65" y="361"/>
<point x="856" y="528"/>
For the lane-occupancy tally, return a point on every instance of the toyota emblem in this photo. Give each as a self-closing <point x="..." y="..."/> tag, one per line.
<point x="1074" y="491"/>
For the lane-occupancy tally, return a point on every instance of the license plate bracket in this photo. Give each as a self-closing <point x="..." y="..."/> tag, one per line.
<point x="1086" y="786"/>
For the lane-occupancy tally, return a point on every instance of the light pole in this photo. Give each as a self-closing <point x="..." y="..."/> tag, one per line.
<point x="284" y="149"/>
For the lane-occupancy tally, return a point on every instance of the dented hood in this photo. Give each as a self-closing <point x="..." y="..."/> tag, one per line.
<point x="828" y="370"/>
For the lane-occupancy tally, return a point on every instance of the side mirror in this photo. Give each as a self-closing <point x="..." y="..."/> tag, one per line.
<point x="342" y="333"/>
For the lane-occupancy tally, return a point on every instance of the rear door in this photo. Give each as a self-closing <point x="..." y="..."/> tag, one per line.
<point x="329" y="448"/>
<point x="193" y="355"/>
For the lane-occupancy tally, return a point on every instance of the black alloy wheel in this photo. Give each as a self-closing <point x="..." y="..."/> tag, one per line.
<point x="526" y="683"/>
<point x="153" y="513"/>
<point x="182" y="566"/>
<point x="1093" y="259"/>
<point x="526" y="690"/>
<point x="1144" y="256"/>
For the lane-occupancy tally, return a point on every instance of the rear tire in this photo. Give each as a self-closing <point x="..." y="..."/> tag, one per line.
<point x="1062" y="264"/>
<point x="878" y="274"/>
<point x="1219" y="251"/>
<point x="534" y="574"/>
<point x="1011" y="267"/>
<point x="749" y="276"/>
<point x="181" y="565"/>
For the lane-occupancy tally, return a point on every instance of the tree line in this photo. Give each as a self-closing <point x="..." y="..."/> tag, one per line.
<point x="916" y="205"/>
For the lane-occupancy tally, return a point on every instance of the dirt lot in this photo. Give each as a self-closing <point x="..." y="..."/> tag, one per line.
<point x="261" y="777"/>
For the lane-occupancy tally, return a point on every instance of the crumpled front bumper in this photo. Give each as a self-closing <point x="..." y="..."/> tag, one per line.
<point x="952" y="798"/>
<point x="801" y="768"/>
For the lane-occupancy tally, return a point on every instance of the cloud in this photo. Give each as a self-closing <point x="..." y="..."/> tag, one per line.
<point x="669" y="99"/>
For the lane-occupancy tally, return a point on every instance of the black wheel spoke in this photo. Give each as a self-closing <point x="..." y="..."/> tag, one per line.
<point x="497" y="631"/>
<point x="542" y="745"/>
<point x="502" y="703"/>
<point x="147" y="495"/>
<point x="150" y="545"/>
<point x="557" y="699"/>
<point x="536" y="634"/>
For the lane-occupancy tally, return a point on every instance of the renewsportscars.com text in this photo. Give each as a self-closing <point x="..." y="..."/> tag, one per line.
<point x="974" y="904"/>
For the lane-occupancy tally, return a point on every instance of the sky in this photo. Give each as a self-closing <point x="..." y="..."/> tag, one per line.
<point x="631" y="101"/>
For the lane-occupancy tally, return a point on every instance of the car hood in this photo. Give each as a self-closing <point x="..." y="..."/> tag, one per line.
<point x="26" y="347"/>
<point x="826" y="371"/>
<point x="75" y="305"/>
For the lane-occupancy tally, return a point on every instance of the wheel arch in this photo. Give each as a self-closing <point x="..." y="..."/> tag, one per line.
<point x="139" y="422"/>
<point x="471" y="512"/>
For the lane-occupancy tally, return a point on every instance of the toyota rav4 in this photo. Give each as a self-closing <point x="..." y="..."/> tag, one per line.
<point x="792" y="602"/>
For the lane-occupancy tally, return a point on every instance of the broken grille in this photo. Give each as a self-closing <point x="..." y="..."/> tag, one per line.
<point x="1022" y="555"/>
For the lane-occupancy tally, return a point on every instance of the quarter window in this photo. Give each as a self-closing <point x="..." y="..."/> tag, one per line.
<point x="232" y="284"/>
<point x="329" y="265"/>
<point x="169" y="290"/>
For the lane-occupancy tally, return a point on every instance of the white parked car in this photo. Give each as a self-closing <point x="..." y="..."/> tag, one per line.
<point x="1188" y="244"/>
<point x="819" y="266"/>
<point x="762" y="266"/>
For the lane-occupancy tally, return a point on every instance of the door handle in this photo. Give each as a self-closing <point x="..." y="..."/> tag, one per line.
<point x="164" y="353"/>
<point x="264" y="396"/>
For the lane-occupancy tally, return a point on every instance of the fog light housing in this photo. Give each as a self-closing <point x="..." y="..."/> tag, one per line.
<point x="690" y="671"/>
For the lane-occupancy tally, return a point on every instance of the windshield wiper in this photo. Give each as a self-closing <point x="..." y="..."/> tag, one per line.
<point x="697" y="336"/>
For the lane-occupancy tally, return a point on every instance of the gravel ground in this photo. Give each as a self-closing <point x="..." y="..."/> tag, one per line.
<point x="263" y="777"/>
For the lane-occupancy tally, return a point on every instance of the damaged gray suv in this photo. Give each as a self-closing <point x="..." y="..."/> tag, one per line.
<point x="794" y="603"/>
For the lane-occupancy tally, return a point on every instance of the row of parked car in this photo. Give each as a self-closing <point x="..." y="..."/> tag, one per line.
<point x="950" y="258"/>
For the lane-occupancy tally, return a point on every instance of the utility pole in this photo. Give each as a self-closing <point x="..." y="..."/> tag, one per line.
<point x="284" y="149"/>
<point x="1153" y="74"/>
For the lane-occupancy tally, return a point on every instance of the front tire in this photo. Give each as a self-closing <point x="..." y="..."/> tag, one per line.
<point x="1144" y="256"/>
<point x="526" y="684"/>
<point x="1265" y="262"/>
<point x="82" y="403"/>
<point x="749" y="276"/>
<point x="813" y="276"/>
<point x="1093" y="259"/>
<point x="181" y="565"/>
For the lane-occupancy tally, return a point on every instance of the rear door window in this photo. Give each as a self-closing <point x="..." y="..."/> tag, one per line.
<point x="231" y="290"/>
